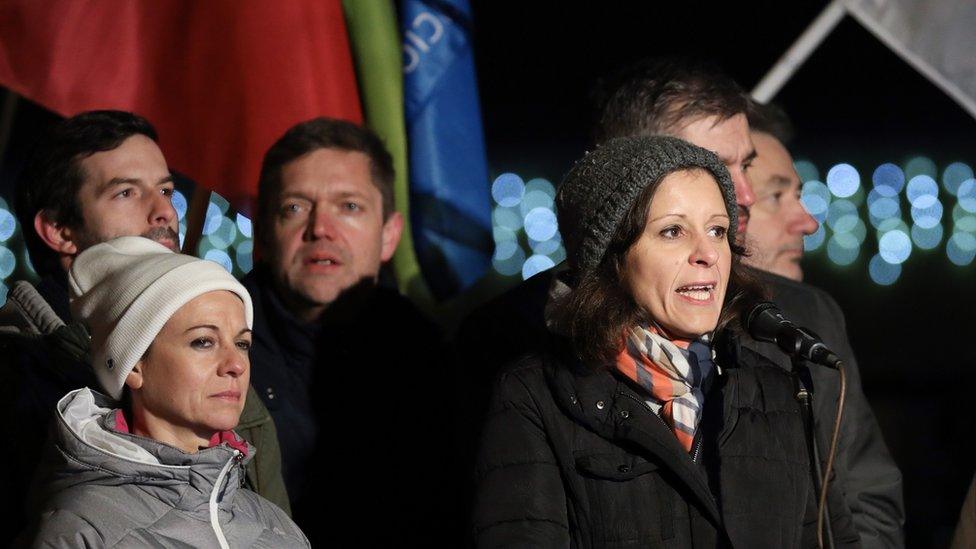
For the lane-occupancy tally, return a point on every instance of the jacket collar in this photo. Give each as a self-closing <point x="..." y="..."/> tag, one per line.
<point x="96" y="455"/>
<point x="609" y="407"/>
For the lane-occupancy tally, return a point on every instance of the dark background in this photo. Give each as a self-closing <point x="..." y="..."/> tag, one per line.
<point x="855" y="101"/>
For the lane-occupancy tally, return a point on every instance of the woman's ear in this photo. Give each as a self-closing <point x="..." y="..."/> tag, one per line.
<point x="134" y="379"/>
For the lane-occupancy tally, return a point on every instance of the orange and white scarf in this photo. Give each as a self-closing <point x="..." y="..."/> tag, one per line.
<point x="671" y="374"/>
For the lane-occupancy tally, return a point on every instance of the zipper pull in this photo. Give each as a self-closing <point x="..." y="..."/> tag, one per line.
<point x="239" y="459"/>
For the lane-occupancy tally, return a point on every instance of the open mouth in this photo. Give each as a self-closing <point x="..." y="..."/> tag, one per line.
<point x="322" y="260"/>
<point x="697" y="292"/>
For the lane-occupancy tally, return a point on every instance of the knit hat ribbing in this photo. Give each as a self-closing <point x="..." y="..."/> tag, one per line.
<point x="601" y="188"/>
<point x="126" y="289"/>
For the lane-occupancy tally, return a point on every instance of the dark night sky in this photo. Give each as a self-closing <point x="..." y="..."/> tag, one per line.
<point x="854" y="100"/>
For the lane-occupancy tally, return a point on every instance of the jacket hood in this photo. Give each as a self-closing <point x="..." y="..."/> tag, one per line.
<point x="92" y="452"/>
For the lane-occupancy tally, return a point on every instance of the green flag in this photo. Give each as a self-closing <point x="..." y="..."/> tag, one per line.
<point x="376" y="48"/>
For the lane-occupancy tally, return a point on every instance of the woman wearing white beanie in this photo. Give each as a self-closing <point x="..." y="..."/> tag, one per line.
<point x="170" y="339"/>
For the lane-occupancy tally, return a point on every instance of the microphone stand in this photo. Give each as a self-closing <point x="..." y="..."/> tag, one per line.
<point x="805" y="398"/>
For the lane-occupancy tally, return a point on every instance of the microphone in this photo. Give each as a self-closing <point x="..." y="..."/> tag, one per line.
<point x="765" y="322"/>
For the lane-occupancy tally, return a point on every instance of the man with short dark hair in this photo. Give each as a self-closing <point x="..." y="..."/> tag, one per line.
<point x="697" y="102"/>
<point x="334" y="352"/>
<point x="96" y="176"/>
<point x="779" y="221"/>
<point x="73" y="196"/>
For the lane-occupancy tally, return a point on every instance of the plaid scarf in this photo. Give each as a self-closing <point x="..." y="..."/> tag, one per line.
<point x="672" y="373"/>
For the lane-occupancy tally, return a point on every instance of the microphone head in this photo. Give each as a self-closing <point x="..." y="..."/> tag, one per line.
<point x="764" y="321"/>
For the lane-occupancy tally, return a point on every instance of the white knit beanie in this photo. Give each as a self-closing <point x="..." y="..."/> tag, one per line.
<point x="127" y="288"/>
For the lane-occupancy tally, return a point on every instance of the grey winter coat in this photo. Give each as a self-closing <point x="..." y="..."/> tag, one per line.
<point x="113" y="489"/>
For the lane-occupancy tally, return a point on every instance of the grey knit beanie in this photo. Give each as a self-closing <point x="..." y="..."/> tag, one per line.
<point x="601" y="188"/>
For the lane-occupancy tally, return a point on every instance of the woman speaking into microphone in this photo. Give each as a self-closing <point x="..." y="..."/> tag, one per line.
<point x="644" y="423"/>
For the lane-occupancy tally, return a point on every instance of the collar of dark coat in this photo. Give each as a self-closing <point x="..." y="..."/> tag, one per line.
<point x="611" y="408"/>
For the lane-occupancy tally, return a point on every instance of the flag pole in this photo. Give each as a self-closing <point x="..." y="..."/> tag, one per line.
<point x="196" y="214"/>
<point x="790" y="61"/>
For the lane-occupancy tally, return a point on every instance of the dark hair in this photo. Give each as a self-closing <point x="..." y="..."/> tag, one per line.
<point x="656" y="96"/>
<point x="306" y="137"/>
<point x="600" y="308"/>
<point x="53" y="176"/>
<point x="771" y="119"/>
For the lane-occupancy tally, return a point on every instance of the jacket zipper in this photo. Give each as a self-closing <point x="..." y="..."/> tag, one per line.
<point x="698" y="445"/>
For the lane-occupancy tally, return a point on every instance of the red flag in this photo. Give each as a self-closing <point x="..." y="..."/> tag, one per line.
<point x="220" y="80"/>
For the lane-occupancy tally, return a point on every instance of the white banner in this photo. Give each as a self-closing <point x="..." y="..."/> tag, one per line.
<point x="937" y="37"/>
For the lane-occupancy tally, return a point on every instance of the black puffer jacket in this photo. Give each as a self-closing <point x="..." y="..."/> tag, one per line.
<point x="573" y="458"/>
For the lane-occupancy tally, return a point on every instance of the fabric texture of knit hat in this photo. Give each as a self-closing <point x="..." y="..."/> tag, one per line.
<point x="127" y="288"/>
<point x="601" y="188"/>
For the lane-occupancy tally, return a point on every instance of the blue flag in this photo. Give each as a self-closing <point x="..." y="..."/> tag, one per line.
<point x="450" y="201"/>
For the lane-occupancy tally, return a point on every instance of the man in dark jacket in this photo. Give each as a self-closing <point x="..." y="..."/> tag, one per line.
<point x="98" y="175"/>
<point x="351" y="371"/>
<point x="698" y="103"/>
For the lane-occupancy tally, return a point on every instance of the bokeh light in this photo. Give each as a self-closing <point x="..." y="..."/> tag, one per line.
<point x="927" y="239"/>
<point x="888" y="179"/>
<point x="213" y="219"/>
<point x="891" y="224"/>
<point x="920" y="165"/>
<point x="507" y="190"/>
<point x="928" y="217"/>
<point x="8" y="262"/>
<point x="895" y="246"/>
<point x="503" y="234"/>
<point x="965" y="222"/>
<point x="858" y="197"/>
<point x="540" y="224"/>
<point x="536" y="264"/>
<point x="961" y="248"/>
<point x="508" y="218"/>
<point x="541" y="185"/>
<point x="245" y="256"/>
<point x="842" y="216"/>
<point x="954" y="175"/>
<point x="922" y="191"/>
<point x="859" y="231"/>
<point x="535" y="199"/>
<point x="220" y="202"/>
<point x="882" y="207"/>
<point x="843" y="249"/>
<point x="967" y="195"/>
<point x="221" y="258"/>
<point x="806" y="170"/>
<point x="8" y="225"/>
<point x="244" y="226"/>
<point x="224" y="235"/>
<point x="545" y="247"/>
<point x="508" y="258"/>
<point x="843" y="180"/>
<point x="882" y="272"/>
<point x="813" y="241"/>
<point x="179" y="204"/>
